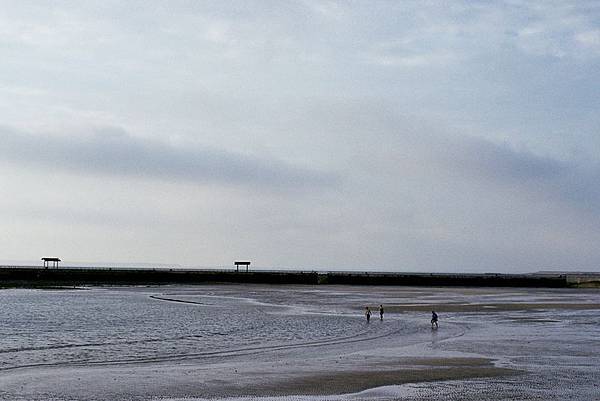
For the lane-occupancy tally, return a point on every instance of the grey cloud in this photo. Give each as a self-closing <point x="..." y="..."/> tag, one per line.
<point x="114" y="152"/>
<point x="505" y="163"/>
<point x="572" y="181"/>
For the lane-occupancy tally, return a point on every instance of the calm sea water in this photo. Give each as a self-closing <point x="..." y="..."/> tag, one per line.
<point x="41" y="327"/>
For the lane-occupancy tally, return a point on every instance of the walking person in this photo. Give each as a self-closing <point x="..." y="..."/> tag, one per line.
<point x="434" y="319"/>
<point x="380" y="312"/>
<point x="368" y="314"/>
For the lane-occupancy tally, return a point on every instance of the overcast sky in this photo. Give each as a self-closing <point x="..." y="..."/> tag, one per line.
<point x="373" y="135"/>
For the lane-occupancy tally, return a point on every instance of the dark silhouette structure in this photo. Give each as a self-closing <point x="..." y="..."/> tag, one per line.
<point x="239" y="263"/>
<point x="53" y="260"/>
<point x="28" y="276"/>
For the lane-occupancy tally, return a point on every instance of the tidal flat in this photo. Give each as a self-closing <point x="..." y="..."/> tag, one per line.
<point x="246" y="342"/>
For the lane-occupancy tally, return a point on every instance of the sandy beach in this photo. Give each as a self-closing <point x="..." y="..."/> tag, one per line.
<point x="302" y="341"/>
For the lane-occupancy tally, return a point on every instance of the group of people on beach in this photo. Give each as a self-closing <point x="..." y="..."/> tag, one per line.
<point x="368" y="313"/>
<point x="434" y="316"/>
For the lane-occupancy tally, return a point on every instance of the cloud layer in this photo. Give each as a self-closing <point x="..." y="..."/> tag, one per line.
<point x="114" y="152"/>
<point x="575" y="183"/>
<point x="400" y="136"/>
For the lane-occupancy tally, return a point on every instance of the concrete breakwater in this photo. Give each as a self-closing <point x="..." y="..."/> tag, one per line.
<point x="40" y="277"/>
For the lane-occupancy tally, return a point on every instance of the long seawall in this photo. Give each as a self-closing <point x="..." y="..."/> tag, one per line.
<point x="27" y="276"/>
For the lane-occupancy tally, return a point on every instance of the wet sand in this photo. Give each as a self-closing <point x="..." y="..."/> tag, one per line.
<point x="223" y="380"/>
<point x="533" y="344"/>
<point x="357" y="380"/>
<point x="490" y="307"/>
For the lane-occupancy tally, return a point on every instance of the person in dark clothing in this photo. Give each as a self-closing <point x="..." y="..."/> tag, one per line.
<point x="381" y="312"/>
<point x="434" y="319"/>
<point x="368" y="314"/>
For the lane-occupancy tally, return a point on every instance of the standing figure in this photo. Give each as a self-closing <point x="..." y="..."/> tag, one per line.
<point x="434" y="319"/>
<point x="368" y="314"/>
<point x="381" y="312"/>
